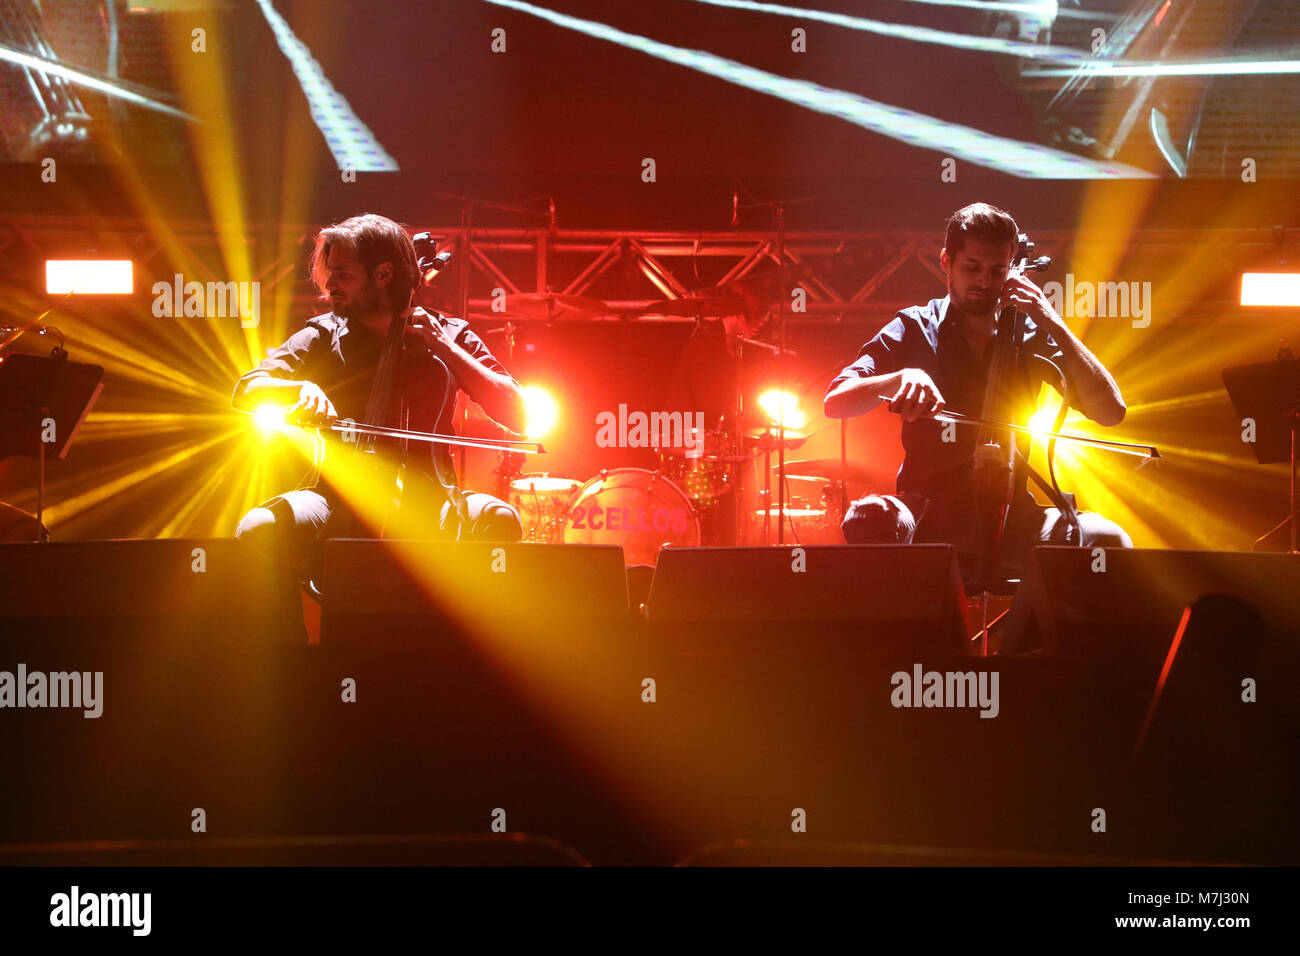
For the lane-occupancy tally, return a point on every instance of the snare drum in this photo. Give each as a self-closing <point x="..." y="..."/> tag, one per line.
<point x="639" y="509"/>
<point x="542" y="501"/>
<point x="803" y="525"/>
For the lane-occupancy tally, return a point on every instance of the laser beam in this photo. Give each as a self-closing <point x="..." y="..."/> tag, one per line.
<point x="349" y="140"/>
<point x="915" y="34"/>
<point x="925" y="132"/>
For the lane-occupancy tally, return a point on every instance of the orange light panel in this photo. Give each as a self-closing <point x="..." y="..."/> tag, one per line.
<point x="89" y="276"/>
<point x="1270" y="288"/>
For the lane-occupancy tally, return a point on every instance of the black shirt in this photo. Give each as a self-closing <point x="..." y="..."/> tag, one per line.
<point x="934" y="470"/>
<point x="342" y="359"/>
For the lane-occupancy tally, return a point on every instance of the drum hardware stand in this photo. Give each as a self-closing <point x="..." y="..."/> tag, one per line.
<point x="1294" y="418"/>
<point x="988" y="626"/>
<point x="508" y="469"/>
<point x="42" y="536"/>
<point x="767" y="493"/>
<point x="844" y="465"/>
<point x="780" y="437"/>
<point x="736" y="445"/>
<point x="777" y="206"/>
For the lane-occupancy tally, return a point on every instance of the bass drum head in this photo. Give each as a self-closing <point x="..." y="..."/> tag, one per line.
<point x="641" y="510"/>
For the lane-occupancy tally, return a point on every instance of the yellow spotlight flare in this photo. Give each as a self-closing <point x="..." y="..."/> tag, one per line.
<point x="1040" y="423"/>
<point x="782" y="408"/>
<point x="541" y="410"/>
<point x="270" y="419"/>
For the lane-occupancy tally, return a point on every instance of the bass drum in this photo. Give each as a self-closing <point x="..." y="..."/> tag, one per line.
<point x="639" y="509"/>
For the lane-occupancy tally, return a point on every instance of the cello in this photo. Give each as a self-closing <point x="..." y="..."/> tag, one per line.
<point x="998" y="450"/>
<point x="386" y="444"/>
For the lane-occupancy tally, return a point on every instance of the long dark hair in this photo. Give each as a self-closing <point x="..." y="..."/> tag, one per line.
<point x="372" y="239"/>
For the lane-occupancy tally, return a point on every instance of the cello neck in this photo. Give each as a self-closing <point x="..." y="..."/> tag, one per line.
<point x="379" y="401"/>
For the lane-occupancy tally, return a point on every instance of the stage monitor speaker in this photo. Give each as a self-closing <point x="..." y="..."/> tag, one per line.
<point x="482" y="669"/>
<point x="1075" y="603"/>
<point x="207" y="587"/>
<point x="1163" y="641"/>
<point x="877" y="588"/>
<point x="472" y="582"/>
<point x="154" y="670"/>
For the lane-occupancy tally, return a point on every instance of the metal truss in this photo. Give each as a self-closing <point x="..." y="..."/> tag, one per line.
<point x="845" y="276"/>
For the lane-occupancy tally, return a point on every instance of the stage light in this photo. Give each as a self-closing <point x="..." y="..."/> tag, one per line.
<point x="542" y="412"/>
<point x="269" y="419"/>
<point x="778" y="404"/>
<point x="89" y="276"/>
<point x="1040" y="423"/>
<point x="1270" y="288"/>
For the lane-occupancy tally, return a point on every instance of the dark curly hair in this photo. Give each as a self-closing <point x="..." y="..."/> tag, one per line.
<point x="981" y="222"/>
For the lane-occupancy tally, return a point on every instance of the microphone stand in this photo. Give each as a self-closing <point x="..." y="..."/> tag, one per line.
<point x="778" y="207"/>
<point x="781" y="379"/>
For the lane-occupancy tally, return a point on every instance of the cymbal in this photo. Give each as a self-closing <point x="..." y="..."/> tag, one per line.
<point x="828" y="469"/>
<point x="767" y="437"/>
<point x="553" y="306"/>
<point x="697" y="306"/>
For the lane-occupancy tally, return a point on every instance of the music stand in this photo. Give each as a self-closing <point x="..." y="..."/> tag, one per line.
<point x="33" y="389"/>
<point x="1269" y="393"/>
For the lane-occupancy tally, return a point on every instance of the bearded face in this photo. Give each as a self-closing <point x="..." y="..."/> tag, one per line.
<point x="352" y="292"/>
<point x="976" y="275"/>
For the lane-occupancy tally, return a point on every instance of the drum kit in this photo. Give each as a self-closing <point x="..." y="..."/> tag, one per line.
<point x="692" y="498"/>
<point x="684" y="503"/>
<point x="640" y="509"/>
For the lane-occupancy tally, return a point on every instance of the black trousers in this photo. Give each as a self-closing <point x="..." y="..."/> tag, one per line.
<point x="294" y="523"/>
<point x="889" y="519"/>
